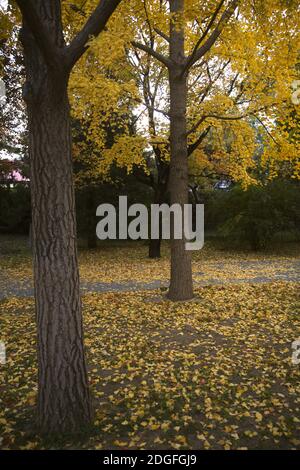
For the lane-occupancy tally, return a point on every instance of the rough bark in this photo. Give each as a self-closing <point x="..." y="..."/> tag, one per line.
<point x="63" y="398"/>
<point x="181" y="283"/>
<point x="64" y="403"/>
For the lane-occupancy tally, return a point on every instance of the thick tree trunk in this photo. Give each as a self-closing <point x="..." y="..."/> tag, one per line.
<point x="181" y="284"/>
<point x="64" y="403"/>
<point x="63" y="398"/>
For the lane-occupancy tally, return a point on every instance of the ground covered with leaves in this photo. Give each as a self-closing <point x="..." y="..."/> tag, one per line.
<point x="124" y="267"/>
<point x="212" y="373"/>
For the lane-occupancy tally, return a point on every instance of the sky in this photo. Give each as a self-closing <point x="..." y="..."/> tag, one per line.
<point x="5" y="154"/>
<point x="3" y="4"/>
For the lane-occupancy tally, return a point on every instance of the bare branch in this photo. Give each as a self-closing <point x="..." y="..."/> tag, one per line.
<point x="161" y="111"/>
<point x="192" y="147"/>
<point x="200" y="51"/>
<point x="149" y="25"/>
<point x="233" y="82"/>
<point x="266" y="129"/>
<point x="211" y="81"/>
<point x="195" y="127"/>
<point x="226" y="118"/>
<point x="163" y="35"/>
<point x="205" y="33"/>
<point x="196" y="79"/>
<point x="160" y="57"/>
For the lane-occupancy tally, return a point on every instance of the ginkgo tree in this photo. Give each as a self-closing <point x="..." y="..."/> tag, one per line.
<point x="204" y="71"/>
<point x="220" y="62"/>
<point x="262" y="55"/>
<point x="64" y="403"/>
<point x="209" y="151"/>
<point x="281" y="155"/>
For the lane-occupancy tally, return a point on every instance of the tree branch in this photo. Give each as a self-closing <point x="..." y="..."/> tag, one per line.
<point x="93" y="27"/>
<point x="192" y="147"/>
<point x="237" y="118"/>
<point x="163" y="35"/>
<point x="227" y="118"/>
<point x="161" y="111"/>
<point x="160" y="57"/>
<point x="222" y="118"/>
<point x="199" y="52"/>
<point x="205" y="33"/>
<point x="266" y="129"/>
<point x="195" y="127"/>
<point x="51" y="52"/>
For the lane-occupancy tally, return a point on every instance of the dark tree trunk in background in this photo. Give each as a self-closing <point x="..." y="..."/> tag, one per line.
<point x="63" y="395"/>
<point x="154" y="248"/>
<point x="181" y="284"/>
<point x="92" y="241"/>
<point x="91" y="218"/>
<point x="159" y="198"/>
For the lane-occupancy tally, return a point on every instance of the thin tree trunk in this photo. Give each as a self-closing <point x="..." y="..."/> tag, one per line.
<point x="92" y="241"/>
<point x="64" y="403"/>
<point x="154" y="248"/>
<point x="155" y="244"/>
<point x="181" y="284"/>
<point x="91" y="219"/>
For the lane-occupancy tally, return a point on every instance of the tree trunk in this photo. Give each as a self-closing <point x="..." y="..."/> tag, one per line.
<point x="63" y="398"/>
<point x="155" y="244"/>
<point x="154" y="248"/>
<point x="92" y="241"/>
<point x="64" y="403"/>
<point x="91" y="218"/>
<point x="181" y="284"/>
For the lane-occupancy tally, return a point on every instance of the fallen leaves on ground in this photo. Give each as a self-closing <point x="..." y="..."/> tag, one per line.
<point x="130" y="263"/>
<point x="212" y="373"/>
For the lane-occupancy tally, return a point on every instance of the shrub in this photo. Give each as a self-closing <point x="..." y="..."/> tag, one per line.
<point x="254" y="216"/>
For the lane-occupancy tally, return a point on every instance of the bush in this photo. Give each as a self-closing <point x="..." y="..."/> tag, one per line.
<point x="254" y="216"/>
<point x="15" y="209"/>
